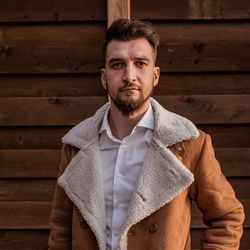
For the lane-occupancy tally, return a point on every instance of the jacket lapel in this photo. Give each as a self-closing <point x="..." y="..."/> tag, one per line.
<point x="83" y="183"/>
<point x="162" y="177"/>
<point x="82" y="179"/>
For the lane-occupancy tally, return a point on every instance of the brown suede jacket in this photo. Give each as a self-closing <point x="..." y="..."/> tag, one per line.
<point x="179" y="168"/>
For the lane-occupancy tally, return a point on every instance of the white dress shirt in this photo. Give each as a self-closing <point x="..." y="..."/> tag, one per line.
<point x="121" y="162"/>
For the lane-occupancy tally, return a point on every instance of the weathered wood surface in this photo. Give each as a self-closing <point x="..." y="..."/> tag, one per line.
<point x="190" y="10"/>
<point x="50" y="137"/>
<point x="29" y="163"/>
<point x="24" y="239"/>
<point x="68" y="48"/>
<point x="51" y="48"/>
<point x="201" y="109"/>
<point x="47" y="10"/>
<point x="51" y="10"/>
<point x="90" y="84"/>
<point x="54" y="85"/>
<point x="44" y="163"/>
<point x="118" y="9"/>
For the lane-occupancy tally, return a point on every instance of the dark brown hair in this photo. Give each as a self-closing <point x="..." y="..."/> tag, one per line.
<point x="126" y="30"/>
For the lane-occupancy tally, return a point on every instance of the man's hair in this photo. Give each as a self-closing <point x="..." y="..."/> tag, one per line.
<point x="126" y="30"/>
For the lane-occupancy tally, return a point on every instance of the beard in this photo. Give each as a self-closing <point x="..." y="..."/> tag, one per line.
<point x="128" y="105"/>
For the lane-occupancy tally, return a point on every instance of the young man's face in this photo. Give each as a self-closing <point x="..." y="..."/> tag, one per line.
<point x="130" y="74"/>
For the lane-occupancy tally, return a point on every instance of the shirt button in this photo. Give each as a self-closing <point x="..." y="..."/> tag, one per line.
<point x="116" y="203"/>
<point x="153" y="228"/>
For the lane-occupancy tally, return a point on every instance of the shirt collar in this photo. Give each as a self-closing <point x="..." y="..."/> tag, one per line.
<point x="147" y="121"/>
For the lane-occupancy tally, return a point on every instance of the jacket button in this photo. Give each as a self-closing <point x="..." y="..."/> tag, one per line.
<point x="153" y="228"/>
<point x="83" y="224"/>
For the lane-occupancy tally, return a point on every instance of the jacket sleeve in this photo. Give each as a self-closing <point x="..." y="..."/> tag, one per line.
<point x="222" y="212"/>
<point x="61" y="213"/>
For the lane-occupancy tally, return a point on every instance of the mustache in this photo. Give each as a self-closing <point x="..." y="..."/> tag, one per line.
<point x="129" y="87"/>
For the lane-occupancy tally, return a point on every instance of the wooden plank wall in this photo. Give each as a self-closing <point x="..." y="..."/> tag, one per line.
<point x="50" y="55"/>
<point x="50" y="58"/>
<point x="205" y="63"/>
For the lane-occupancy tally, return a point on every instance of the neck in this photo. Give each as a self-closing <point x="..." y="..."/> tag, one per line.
<point x="122" y="126"/>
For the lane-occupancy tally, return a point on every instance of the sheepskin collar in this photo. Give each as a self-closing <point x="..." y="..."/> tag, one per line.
<point x="170" y="128"/>
<point x="162" y="176"/>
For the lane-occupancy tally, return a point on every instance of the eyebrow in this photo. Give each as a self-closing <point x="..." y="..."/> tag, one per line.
<point x="117" y="59"/>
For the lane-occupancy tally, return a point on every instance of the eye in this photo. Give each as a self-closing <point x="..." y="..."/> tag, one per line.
<point x="140" y="63"/>
<point x="116" y="65"/>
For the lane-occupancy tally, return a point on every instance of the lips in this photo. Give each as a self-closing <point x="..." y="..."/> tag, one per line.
<point x="130" y="88"/>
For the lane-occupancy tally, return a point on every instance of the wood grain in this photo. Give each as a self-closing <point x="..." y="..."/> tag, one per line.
<point x="190" y="10"/>
<point x="46" y="137"/>
<point x="29" y="163"/>
<point x="77" y="48"/>
<point x="26" y="190"/>
<point x="24" y="239"/>
<point x="118" y="9"/>
<point x="47" y="10"/>
<point x="51" y="48"/>
<point x="201" y="109"/>
<point x="89" y="84"/>
<point x="51" y="85"/>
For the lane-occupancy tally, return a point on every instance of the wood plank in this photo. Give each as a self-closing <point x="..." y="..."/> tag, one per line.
<point x="77" y="48"/>
<point x="46" y="10"/>
<point x="196" y="235"/>
<point x="24" y="239"/>
<point x="26" y="190"/>
<point x="197" y="215"/>
<point x="201" y="109"/>
<point x="51" y="85"/>
<point x="205" y="109"/>
<point x="90" y="85"/>
<point x="32" y="137"/>
<point x="51" y="48"/>
<point x="241" y="187"/>
<point x="234" y="161"/>
<point x="44" y="163"/>
<point x="25" y="214"/>
<point x="118" y="9"/>
<point x="203" y="83"/>
<point x="190" y="10"/>
<point x="52" y="111"/>
<point x="230" y="135"/>
<point x="35" y="215"/>
<point x="29" y="163"/>
<point x="209" y="47"/>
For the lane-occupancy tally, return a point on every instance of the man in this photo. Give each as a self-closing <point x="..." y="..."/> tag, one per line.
<point x="129" y="174"/>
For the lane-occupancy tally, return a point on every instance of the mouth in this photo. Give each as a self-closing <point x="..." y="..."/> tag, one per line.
<point x="130" y="89"/>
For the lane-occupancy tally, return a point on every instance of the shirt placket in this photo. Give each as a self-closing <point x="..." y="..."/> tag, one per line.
<point x="117" y="194"/>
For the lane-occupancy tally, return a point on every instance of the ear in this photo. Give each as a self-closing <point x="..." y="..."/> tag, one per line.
<point x="156" y="75"/>
<point x="104" y="78"/>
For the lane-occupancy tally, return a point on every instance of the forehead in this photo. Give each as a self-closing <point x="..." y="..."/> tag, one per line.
<point x="129" y="49"/>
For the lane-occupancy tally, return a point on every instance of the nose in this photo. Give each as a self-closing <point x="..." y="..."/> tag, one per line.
<point x="129" y="74"/>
